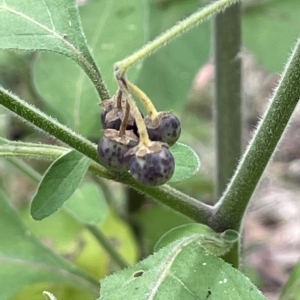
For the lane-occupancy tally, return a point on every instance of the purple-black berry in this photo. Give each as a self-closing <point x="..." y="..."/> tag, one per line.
<point x="112" y="116"/>
<point x="153" y="165"/>
<point x="112" y="149"/>
<point x="165" y="128"/>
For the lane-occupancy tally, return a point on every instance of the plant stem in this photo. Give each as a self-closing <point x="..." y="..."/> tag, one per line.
<point x="86" y="61"/>
<point x="47" y="124"/>
<point x="230" y="209"/>
<point x="29" y="151"/>
<point x="106" y="244"/>
<point x="227" y="47"/>
<point x="175" y="31"/>
<point x="166" y="195"/>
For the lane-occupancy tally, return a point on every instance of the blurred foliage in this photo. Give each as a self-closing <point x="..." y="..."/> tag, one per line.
<point x="155" y="221"/>
<point x="270" y="30"/>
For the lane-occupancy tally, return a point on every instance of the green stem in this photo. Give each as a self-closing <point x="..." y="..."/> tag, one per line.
<point x="29" y="151"/>
<point x="175" y="31"/>
<point x="47" y="124"/>
<point x="230" y="209"/>
<point x="86" y="61"/>
<point x="227" y="47"/>
<point x="106" y="244"/>
<point x="166" y="195"/>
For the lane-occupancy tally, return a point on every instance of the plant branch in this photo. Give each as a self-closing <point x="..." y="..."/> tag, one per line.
<point x="227" y="47"/>
<point x="175" y="31"/>
<point x="230" y="209"/>
<point x="29" y="151"/>
<point x="44" y="122"/>
<point x="86" y="61"/>
<point x="166" y="195"/>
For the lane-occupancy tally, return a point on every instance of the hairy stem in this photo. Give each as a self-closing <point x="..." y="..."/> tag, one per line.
<point x="175" y="31"/>
<point x="87" y="63"/>
<point x="42" y="121"/>
<point x="227" y="44"/>
<point x="166" y="195"/>
<point x="230" y="209"/>
<point x="227" y="47"/>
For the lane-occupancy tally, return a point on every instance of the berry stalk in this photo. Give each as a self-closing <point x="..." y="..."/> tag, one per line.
<point x="125" y="120"/>
<point x="144" y="138"/>
<point x="151" y="110"/>
<point x="119" y="100"/>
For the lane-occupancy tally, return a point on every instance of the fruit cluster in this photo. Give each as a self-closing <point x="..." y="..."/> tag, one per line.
<point x="136" y="143"/>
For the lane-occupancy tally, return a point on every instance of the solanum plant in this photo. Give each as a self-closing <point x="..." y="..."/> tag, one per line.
<point x="198" y="260"/>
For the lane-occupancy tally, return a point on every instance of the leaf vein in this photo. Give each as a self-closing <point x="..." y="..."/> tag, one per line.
<point x="51" y="32"/>
<point x="50" y="17"/>
<point x="184" y="286"/>
<point x="166" y="268"/>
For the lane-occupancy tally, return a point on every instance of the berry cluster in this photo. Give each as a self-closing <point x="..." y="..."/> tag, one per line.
<point x="136" y="143"/>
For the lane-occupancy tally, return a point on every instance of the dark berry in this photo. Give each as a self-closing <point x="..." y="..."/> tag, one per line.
<point x="113" y="121"/>
<point x="112" y="115"/>
<point x="164" y="128"/>
<point x="112" y="149"/>
<point x="152" y="166"/>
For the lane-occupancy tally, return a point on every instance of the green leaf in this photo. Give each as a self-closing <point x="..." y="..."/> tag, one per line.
<point x="59" y="183"/>
<point x="88" y="204"/>
<point x="181" y="231"/>
<point x="25" y="261"/>
<point x="291" y="290"/>
<point x="182" y="270"/>
<point x="187" y="162"/>
<point x="50" y="25"/>
<point x="167" y="75"/>
<point x="114" y="29"/>
<point x="216" y="243"/>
